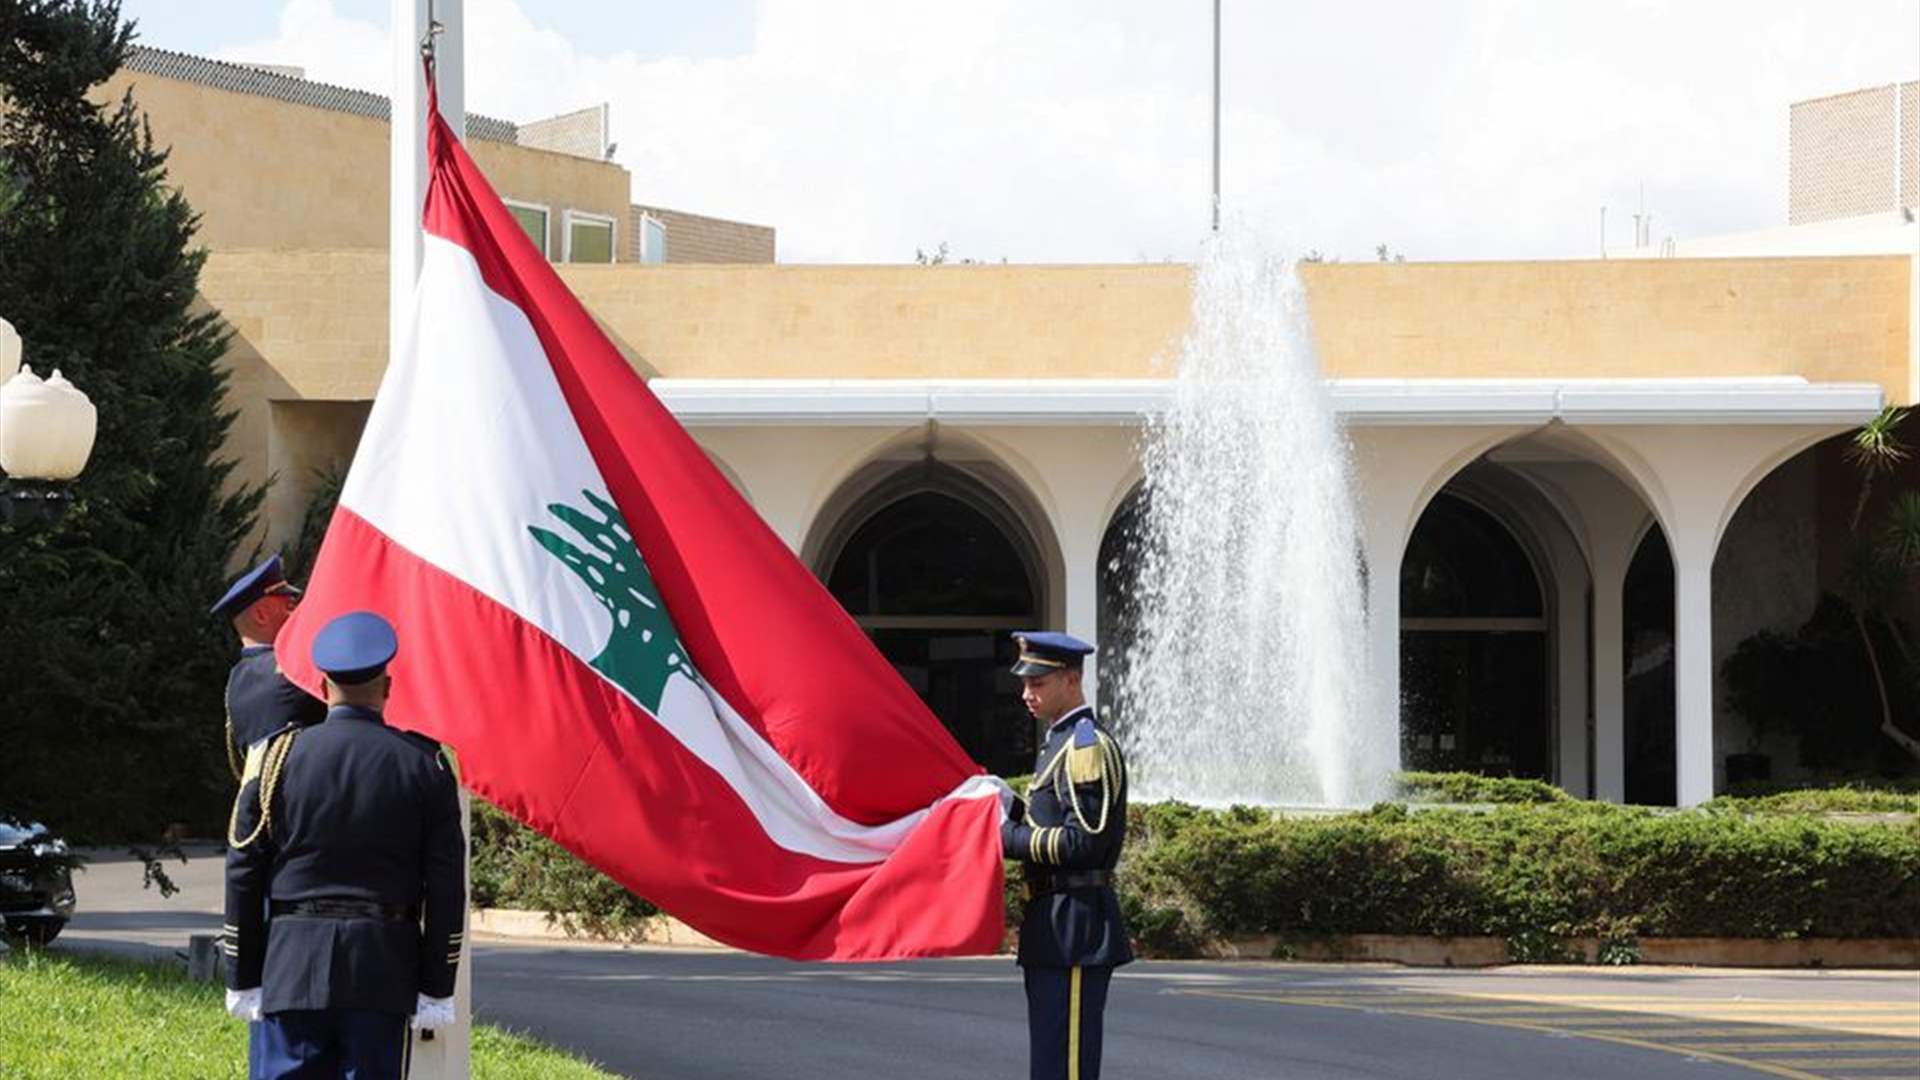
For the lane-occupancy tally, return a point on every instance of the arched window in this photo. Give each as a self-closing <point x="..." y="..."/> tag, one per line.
<point x="1474" y="656"/>
<point x="938" y="572"/>
<point x="930" y="552"/>
<point x="1647" y="627"/>
<point x="1121" y="552"/>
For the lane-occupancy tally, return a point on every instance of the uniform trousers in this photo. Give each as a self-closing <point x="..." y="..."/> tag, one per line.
<point x="1064" y="1010"/>
<point x="325" y="1044"/>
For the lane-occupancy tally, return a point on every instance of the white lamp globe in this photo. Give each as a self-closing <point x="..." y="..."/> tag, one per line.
<point x="47" y="427"/>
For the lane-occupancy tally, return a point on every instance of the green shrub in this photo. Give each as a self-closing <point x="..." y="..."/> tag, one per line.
<point x="1870" y="796"/>
<point x="515" y="867"/>
<point x="1537" y="875"/>
<point x="1460" y="787"/>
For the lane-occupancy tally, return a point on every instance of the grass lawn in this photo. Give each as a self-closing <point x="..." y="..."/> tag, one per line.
<point x="74" y="1015"/>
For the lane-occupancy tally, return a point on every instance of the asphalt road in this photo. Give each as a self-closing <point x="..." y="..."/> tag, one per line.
<point x="665" y="1014"/>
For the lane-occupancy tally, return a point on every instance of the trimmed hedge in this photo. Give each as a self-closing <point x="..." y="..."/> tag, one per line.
<point x="1537" y="875"/>
<point x="515" y="867"/>
<point x="1458" y="787"/>
<point x="1856" y="797"/>
<point x="1536" y="870"/>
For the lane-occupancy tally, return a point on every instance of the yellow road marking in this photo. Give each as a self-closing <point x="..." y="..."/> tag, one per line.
<point x="1851" y="1017"/>
<point x="1745" y="1031"/>
<point x="1842" y="1063"/>
<point x="1745" y="1063"/>
<point x="1815" y="1046"/>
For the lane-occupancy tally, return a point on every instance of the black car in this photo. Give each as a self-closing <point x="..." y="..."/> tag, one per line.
<point x="36" y="880"/>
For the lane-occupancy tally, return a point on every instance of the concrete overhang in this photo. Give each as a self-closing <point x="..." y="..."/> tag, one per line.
<point x="1361" y="402"/>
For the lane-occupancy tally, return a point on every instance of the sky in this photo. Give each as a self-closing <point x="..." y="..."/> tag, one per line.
<point x="1080" y="130"/>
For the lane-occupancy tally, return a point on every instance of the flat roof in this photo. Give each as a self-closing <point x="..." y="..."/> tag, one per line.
<point x="1364" y="402"/>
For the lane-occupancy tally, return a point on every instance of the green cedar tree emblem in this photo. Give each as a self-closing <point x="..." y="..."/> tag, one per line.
<point x="645" y="650"/>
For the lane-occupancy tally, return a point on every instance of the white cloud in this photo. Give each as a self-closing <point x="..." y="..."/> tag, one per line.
<point x="1078" y="130"/>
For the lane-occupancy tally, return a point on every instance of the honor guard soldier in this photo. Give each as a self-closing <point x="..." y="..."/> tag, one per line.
<point x="349" y="833"/>
<point x="260" y="700"/>
<point x="1068" y="838"/>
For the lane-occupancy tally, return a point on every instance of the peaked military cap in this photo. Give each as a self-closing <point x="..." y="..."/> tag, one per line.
<point x="1045" y="651"/>
<point x="251" y="586"/>
<point x="355" y="648"/>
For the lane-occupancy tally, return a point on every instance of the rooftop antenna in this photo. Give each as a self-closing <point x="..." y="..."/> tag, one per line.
<point x="1216" y="116"/>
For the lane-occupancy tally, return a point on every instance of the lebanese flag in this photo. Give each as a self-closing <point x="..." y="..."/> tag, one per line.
<point x="624" y="656"/>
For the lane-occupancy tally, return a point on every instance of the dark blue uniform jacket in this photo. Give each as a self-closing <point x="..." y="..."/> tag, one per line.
<point x="360" y="812"/>
<point x="260" y="701"/>
<point x="1076" y="821"/>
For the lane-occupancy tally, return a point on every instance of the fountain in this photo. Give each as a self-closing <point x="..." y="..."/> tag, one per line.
<point x="1246" y="678"/>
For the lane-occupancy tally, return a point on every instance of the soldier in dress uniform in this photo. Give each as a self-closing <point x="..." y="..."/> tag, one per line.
<point x="1068" y="835"/>
<point x="260" y="700"/>
<point x="349" y="833"/>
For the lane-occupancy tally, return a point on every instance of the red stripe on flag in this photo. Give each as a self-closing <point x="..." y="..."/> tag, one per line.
<point x="546" y="738"/>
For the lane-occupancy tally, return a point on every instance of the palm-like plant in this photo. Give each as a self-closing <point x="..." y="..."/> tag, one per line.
<point x="1876" y="451"/>
<point x="1899" y="539"/>
<point x="1887" y="562"/>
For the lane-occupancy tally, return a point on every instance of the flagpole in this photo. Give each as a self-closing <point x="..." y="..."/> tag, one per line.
<point x="418" y="28"/>
<point x="1216" y="115"/>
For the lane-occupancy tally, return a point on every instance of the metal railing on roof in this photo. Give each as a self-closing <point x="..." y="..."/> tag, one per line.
<point x="241" y="79"/>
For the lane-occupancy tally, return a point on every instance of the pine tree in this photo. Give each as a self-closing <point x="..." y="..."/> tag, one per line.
<point x="111" y="674"/>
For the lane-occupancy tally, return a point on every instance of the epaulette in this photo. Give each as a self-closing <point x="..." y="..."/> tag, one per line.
<point x="443" y="754"/>
<point x="417" y="739"/>
<point x="1087" y="761"/>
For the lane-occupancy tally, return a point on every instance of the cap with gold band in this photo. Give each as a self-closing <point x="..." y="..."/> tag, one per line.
<point x="1046" y="651"/>
<point x="262" y="580"/>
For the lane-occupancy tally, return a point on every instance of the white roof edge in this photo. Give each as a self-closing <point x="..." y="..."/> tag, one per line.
<point x="1366" y="402"/>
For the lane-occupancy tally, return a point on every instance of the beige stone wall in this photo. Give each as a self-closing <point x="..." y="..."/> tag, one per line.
<point x="265" y="173"/>
<point x="582" y="133"/>
<point x="1834" y="319"/>
<point x="696" y="238"/>
<point x="890" y="321"/>
<point x="319" y="318"/>
<point x="1827" y="319"/>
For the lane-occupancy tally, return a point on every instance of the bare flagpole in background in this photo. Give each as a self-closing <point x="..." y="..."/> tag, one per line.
<point x="1216" y="115"/>
<point x="415" y="27"/>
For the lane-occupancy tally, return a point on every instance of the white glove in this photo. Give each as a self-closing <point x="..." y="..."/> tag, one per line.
<point x="433" y="1012"/>
<point x="244" y="1004"/>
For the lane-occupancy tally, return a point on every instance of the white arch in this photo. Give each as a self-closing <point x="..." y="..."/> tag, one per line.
<point x="1695" y="483"/>
<point x="966" y="454"/>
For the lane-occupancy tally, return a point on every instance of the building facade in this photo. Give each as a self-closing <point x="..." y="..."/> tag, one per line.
<point x="1581" y="482"/>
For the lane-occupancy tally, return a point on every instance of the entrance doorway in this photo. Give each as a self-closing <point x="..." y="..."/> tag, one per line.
<point x="939" y="573"/>
<point x="1474" y="653"/>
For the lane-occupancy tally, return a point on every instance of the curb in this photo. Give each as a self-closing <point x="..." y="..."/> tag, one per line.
<point x="1419" y="951"/>
<point x="541" y="926"/>
<point x="1411" y="950"/>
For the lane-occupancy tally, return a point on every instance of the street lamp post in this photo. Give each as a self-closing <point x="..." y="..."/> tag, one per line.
<point x="46" y="435"/>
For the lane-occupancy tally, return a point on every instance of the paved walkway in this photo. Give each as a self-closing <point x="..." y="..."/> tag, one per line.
<point x="653" y="1012"/>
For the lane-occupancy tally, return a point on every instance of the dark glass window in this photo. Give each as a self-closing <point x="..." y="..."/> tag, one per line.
<point x="1462" y="562"/>
<point x="930" y="554"/>
<point x="939" y="585"/>
<point x="1122" y="550"/>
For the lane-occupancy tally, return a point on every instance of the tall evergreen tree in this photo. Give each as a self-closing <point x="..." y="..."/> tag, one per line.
<point x="111" y="675"/>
